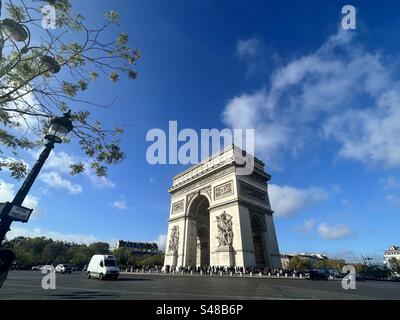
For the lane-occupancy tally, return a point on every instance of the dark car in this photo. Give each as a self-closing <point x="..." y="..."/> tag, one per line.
<point x="317" y="274"/>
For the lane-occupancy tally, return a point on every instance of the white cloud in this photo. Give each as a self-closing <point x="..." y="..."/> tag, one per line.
<point x="390" y="182"/>
<point x="54" y="180"/>
<point x="120" y="204"/>
<point x="61" y="162"/>
<point x="287" y="200"/>
<point x="161" y="242"/>
<point x="99" y="182"/>
<point x="254" y="53"/>
<point x="7" y="193"/>
<point x="249" y="48"/>
<point x="333" y="232"/>
<point x="307" y="226"/>
<point x="27" y="125"/>
<point x="37" y="232"/>
<point x="270" y="136"/>
<point x="370" y="135"/>
<point x="339" y="92"/>
<point x="393" y="199"/>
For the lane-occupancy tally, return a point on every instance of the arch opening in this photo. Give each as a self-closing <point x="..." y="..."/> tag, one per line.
<point x="199" y="232"/>
<point x="258" y="231"/>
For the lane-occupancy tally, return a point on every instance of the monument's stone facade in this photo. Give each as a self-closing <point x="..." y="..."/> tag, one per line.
<point x="221" y="218"/>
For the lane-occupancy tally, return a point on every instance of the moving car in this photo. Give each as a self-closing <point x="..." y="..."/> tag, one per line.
<point x="64" y="268"/>
<point x="47" y="268"/>
<point x="102" y="267"/>
<point x="36" y="268"/>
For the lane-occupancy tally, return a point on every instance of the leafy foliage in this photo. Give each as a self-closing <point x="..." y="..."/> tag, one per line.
<point x="35" y="251"/>
<point x="298" y="264"/>
<point x="124" y="256"/>
<point x="374" y="271"/>
<point x="30" y="94"/>
<point x="394" y="265"/>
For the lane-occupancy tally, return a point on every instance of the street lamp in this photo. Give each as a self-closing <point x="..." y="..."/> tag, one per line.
<point x="13" y="211"/>
<point x="18" y="32"/>
<point x="15" y="31"/>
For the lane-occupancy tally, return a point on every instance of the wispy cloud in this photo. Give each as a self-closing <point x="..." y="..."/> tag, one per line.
<point x="61" y="162"/>
<point x="254" y="53"/>
<point x="306" y="227"/>
<point x="390" y="183"/>
<point x="333" y="232"/>
<point x="54" y="180"/>
<point x="7" y="193"/>
<point x="38" y="232"/>
<point x="99" y="182"/>
<point x="340" y="92"/>
<point x="393" y="199"/>
<point x="161" y="242"/>
<point x="119" y="204"/>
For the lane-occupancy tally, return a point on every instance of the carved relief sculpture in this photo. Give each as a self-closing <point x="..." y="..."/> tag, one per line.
<point x="225" y="232"/>
<point x="174" y="240"/>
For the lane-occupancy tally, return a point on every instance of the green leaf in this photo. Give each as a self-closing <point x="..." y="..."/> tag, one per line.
<point x="112" y="16"/>
<point x="114" y="77"/>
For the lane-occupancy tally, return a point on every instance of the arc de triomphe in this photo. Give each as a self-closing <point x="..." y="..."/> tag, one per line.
<point x="220" y="218"/>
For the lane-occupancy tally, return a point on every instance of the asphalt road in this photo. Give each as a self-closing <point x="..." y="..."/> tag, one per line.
<point x="22" y="285"/>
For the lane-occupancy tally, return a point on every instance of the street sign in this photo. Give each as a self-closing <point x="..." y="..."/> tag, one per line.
<point x="20" y="213"/>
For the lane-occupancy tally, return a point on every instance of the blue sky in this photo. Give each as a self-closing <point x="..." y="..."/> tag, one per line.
<point x="324" y="102"/>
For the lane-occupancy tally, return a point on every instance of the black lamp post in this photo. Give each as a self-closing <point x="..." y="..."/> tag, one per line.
<point x="59" y="128"/>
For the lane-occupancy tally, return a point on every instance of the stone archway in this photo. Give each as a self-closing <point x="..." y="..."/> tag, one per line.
<point x="258" y="233"/>
<point x="199" y="232"/>
<point x="212" y="205"/>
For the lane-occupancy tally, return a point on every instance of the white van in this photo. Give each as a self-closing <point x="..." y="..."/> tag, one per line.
<point x="102" y="266"/>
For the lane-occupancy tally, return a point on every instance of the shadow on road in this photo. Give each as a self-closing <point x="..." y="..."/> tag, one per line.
<point x="134" y="279"/>
<point x="87" y="295"/>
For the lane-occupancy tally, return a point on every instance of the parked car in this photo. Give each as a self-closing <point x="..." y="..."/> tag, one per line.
<point x="395" y="278"/>
<point x="47" y="268"/>
<point x="102" y="267"/>
<point x="64" y="268"/>
<point x="36" y="268"/>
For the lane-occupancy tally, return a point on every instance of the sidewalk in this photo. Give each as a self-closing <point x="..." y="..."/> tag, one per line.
<point x="224" y="275"/>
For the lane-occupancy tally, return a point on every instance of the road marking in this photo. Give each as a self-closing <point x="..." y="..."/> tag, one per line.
<point x="162" y="293"/>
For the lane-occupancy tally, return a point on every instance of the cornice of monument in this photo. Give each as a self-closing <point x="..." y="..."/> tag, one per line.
<point x="214" y="164"/>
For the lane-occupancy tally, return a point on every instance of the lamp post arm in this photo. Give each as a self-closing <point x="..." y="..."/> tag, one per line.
<point x="26" y="186"/>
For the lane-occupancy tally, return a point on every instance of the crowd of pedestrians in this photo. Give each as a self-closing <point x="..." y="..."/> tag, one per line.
<point x="210" y="270"/>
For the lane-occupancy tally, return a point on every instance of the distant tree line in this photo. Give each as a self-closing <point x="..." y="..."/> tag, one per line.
<point x="125" y="257"/>
<point x="301" y="264"/>
<point x="40" y="251"/>
<point x="376" y="271"/>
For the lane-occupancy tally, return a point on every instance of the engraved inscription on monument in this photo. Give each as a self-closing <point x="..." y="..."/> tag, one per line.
<point x="223" y="190"/>
<point x="177" y="207"/>
<point x="252" y="192"/>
